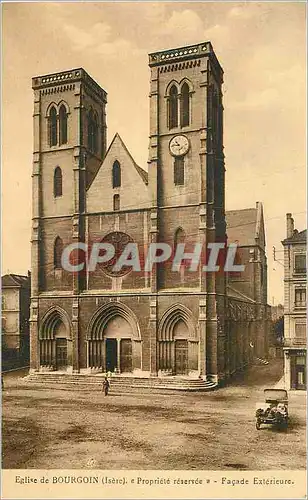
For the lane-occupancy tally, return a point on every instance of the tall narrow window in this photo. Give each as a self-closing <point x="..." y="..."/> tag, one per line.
<point x="63" y="124"/>
<point x="179" y="171"/>
<point x="57" y="182"/>
<point x="179" y="236"/>
<point x="300" y="263"/>
<point x="57" y="252"/>
<point x="184" y="105"/>
<point x="300" y="297"/>
<point x="116" y="202"/>
<point x="116" y="175"/>
<point x="53" y="127"/>
<point x="92" y="132"/>
<point x="95" y="133"/>
<point x="173" y="107"/>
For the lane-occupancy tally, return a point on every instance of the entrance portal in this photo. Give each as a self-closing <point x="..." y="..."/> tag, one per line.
<point x="111" y="354"/>
<point x="181" y="357"/>
<point x="61" y="354"/>
<point x="126" y="363"/>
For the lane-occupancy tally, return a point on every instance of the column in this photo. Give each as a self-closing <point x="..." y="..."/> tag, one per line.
<point x="75" y="337"/>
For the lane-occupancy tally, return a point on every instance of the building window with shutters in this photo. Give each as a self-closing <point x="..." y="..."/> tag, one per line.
<point x="116" y="202"/>
<point x="57" y="252"/>
<point x="300" y="329"/>
<point x="57" y="182"/>
<point x="179" y="171"/>
<point x="300" y="297"/>
<point x="116" y="175"/>
<point x="300" y="263"/>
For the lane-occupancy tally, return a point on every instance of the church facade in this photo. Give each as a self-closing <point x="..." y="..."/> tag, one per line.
<point x="145" y="323"/>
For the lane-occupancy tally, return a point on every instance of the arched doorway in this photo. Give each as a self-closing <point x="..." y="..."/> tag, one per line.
<point x="61" y="346"/>
<point x="177" y="344"/>
<point x="118" y="339"/>
<point x="114" y="342"/>
<point x="180" y="333"/>
<point x="55" y="341"/>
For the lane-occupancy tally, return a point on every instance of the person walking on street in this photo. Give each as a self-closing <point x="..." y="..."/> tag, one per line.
<point x="106" y="386"/>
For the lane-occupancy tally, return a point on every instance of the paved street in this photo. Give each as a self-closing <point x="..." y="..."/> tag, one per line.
<point x="45" y="428"/>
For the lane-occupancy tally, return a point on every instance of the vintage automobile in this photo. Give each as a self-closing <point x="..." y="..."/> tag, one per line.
<point x="275" y="409"/>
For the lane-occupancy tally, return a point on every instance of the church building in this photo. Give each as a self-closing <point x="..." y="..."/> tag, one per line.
<point x="158" y="323"/>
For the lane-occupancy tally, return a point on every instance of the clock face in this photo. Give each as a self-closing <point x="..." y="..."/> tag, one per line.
<point x="179" y="145"/>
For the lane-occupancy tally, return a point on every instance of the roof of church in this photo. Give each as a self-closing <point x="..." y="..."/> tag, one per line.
<point x="243" y="226"/>
<point x="13" y="280"/>
<point x="236" y="294"/>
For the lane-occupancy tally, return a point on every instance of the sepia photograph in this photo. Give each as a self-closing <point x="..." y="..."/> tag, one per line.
<point x="154" y="233"/>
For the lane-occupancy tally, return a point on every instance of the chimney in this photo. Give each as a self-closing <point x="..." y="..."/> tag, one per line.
<point x="290" y="226"/>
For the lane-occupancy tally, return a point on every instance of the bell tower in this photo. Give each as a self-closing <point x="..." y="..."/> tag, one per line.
<point x="187" y="179"/>
<point x="69" y="145"/>
<point x="69" y="129"/>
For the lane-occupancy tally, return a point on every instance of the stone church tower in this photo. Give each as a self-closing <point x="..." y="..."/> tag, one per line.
<point x="69" y="145"/>
<point x="186" y="180"/>
<point x="148" y="324"/>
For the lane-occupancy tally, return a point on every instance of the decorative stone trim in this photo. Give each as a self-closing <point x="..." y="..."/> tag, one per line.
<point x="56" y="90"/>
<point x="180" y="53"/>
<point x="180" y="66"/>
<point x="54" y="83"/>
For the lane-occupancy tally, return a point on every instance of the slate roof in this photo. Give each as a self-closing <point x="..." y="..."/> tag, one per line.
<point x="242" y="226"/>
<point x="236" y="294"/>
<point x="14" y="280"/>
<point x="298" y="237"/>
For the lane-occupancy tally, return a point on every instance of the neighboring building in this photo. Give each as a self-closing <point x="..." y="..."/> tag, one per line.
<point x="277" y="312"/>
<point x="247" y="291"/>
<point x="147" y="323"/>
<point x="276" y="332"/>
<point x="295" y="281"/>
<point x="15" y="318"/>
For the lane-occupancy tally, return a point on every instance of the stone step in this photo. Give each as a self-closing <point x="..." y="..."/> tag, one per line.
<point x="118" y="384"/>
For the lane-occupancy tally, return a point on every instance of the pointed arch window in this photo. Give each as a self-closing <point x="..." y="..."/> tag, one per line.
<point x="53" y="126"/>
<point x="185" y="104"/>
<point x="57" y="182"/>
<point x="92" y="131"/>
<point x="116" y="174"/>
<point x="116" y="202"/>
<point x="95" y="133"/>
<point x="179" y="171"/>
<point x="173" y="107"/>
<point x="57" y="252"/>
<point x="63" y="125"/>
<point x="179" y="236"/>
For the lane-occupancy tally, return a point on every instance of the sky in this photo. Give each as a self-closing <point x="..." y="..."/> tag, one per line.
<point x="261" y="47"/>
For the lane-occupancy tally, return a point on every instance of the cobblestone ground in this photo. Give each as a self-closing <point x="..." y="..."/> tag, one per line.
<point x="72" y="429"/>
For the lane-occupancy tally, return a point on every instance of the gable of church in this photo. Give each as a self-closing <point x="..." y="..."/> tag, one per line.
<point x="120" y="183"/>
